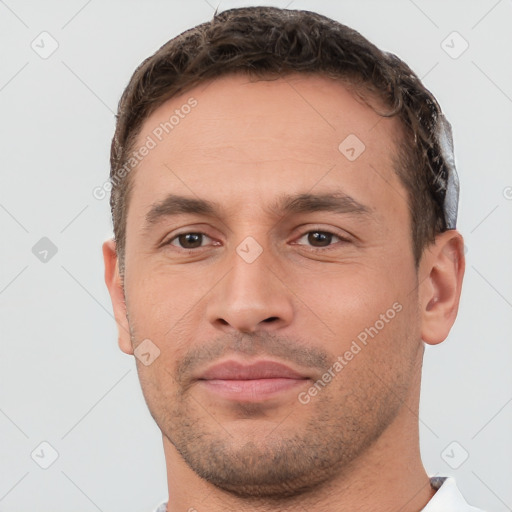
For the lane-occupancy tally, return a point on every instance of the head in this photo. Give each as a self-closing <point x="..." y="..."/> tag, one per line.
<point x="279" y="192"/>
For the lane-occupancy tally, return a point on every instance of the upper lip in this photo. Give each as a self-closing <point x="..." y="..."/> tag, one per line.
<point x="234" y="370"/>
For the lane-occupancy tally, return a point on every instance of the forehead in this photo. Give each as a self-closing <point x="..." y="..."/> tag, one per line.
<point x="237" y="138"/>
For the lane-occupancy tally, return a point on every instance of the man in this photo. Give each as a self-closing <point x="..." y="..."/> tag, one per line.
<point x="284" y="203"/>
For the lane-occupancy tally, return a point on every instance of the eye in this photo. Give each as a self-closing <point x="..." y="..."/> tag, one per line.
<point x="320" y="239"/>
<point x="190" y="240"/>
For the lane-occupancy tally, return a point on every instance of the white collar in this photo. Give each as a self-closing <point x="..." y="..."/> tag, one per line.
<point x="447" y="497"/>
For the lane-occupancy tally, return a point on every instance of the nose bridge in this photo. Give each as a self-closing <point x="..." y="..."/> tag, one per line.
<point x="250" y="293"/>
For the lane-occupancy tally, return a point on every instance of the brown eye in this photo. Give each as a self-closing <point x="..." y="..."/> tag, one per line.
<point x="188" y="240"/>
<point x="319" y="237"/>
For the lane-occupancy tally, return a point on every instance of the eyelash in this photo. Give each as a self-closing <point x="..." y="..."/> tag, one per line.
<point x="331" y="246"/>
<point x="314" y="249"/>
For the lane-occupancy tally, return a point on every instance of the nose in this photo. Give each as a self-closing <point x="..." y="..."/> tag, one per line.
<point x="252" y="296"/>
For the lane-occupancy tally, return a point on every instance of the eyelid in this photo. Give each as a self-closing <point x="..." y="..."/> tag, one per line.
<point x="175" y="236"/>
<point x="343" y="238"/>
<point x="308" y="228"/>
<point x="199" y="228"/>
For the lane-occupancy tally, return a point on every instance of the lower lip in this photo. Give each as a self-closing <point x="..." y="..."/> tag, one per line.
<point x="253" y="390"/>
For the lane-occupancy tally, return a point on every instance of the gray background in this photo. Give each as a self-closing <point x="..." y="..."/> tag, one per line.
<point x="62" y="378"/>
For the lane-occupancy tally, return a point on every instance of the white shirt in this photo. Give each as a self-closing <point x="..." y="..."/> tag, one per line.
<point x="446" y="499"/>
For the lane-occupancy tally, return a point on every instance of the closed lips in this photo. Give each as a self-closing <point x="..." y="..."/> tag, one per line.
<point x="232" y="370"/>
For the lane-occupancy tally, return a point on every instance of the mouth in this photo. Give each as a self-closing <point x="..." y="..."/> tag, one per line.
<point x="254" y="382"/>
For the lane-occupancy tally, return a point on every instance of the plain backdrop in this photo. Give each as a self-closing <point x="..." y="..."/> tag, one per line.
<point x="63" y="380"/>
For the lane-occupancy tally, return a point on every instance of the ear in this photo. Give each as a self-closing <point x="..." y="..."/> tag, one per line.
<point x="441" y="272"/>
<point x="115" y="288"/>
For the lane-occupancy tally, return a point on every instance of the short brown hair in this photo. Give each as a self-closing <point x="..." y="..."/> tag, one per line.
<point x="266" y="42"/>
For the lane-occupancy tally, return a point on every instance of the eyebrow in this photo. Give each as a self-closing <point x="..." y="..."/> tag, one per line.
<point x="336" y="202"/>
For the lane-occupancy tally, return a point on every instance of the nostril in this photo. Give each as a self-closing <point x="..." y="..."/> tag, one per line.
<point x="270" y="319"/>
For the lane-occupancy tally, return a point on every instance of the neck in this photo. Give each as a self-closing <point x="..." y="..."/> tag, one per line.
<point x="388" y="476"/>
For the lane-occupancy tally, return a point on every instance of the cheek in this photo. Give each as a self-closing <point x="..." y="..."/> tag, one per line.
<point x="374" y="319"/>
<point x="348" y="299"/>
<point x="164" y="306"/>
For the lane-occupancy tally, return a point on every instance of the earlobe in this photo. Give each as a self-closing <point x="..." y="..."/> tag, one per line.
<point x="442" y="270"/>
<point x="115" y="289"/>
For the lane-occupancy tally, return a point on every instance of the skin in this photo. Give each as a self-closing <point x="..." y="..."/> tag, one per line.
<point x="354" y="446"/>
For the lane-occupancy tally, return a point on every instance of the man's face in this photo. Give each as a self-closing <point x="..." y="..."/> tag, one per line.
<point x="264" y="278"/>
